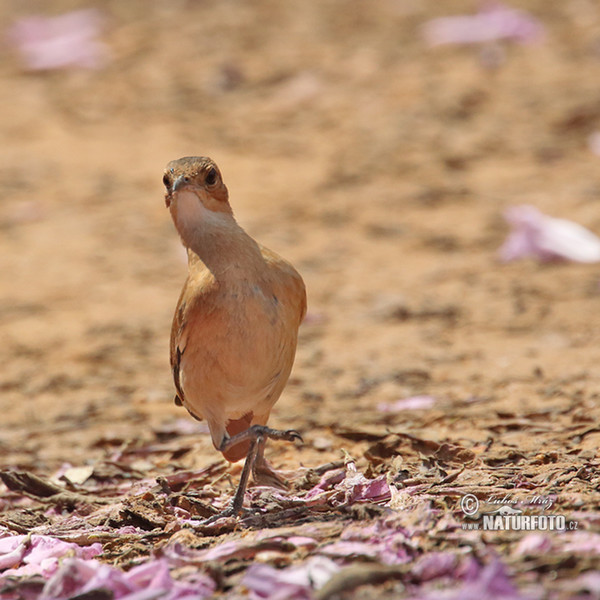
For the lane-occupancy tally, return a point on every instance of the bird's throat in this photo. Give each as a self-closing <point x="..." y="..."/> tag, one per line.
<point x="217" y="239"/>
<point x="228" y="251"/>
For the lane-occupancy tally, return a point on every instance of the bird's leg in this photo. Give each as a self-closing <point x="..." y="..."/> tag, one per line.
<point x="238" y="499"/>
<point x="255" y="463"/>
<point x="262" y="471"/>
<point x="235" y="508"/>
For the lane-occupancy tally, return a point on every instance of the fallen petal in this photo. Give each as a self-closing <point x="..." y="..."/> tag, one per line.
<point x="435" y="565"/>
<point x="68" y="40"/>
<point x="42" y="553"/>
<point x="534" y="234"/>
<point x="534" y="544"/>
<point x="13" y="551"/>
<point x="411" y="403"/>
<point x="582" y="542"/>
<point x="292" y="583"/>
<point x="495" y="22"/>
<point x="492" y="583"/>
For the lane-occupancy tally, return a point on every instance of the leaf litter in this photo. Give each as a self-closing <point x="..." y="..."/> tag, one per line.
<point x="389" y="517"/>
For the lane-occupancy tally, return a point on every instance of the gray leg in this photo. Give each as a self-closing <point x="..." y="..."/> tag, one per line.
<point x="255" y="463"/>
<point x="238" y="499"/>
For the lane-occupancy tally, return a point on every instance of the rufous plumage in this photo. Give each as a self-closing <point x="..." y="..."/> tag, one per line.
<point x="235" y="328"/>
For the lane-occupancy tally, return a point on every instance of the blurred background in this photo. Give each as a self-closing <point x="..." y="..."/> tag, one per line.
<point x="371" y="143"/>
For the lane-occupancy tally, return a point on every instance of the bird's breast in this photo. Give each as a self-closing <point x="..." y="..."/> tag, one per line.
<point x="238" y="344"/>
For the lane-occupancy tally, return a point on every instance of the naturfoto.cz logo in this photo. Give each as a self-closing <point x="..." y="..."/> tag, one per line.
<point x="509" y="517"/>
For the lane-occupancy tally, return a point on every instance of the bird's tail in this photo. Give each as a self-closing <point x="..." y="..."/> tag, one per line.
<point x="235" y="426"/>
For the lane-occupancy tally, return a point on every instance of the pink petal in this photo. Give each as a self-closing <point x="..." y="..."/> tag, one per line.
<point x="144" y="582"/>
<point x="179" y="554"/>
<point x="582" y="542"/>
<point x="496" y="22"/>
<point x="69" y="579"/>
<point x="589" y="582"/>
<point x="292" y="583"/>
<point x="546" y="238"/>
<point x="348" y="485"/>
<point x="533" y="544"/>
<point x="12" y="551"/>
<point x="327" y="481"/>
<point x="148" y="594"/>
<point x="594" y="142"/>
<point x="154" y="576"/>
<point x="491" y="583"/>
<point x="359" y="488"/>
<point x="58" y="42"/>
<point x="435" y="565"/>
<point x="42" y="554"/>
<point x="411" y="403"/>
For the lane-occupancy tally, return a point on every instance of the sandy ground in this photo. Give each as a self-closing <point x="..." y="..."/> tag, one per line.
<point x="381" y="168"/>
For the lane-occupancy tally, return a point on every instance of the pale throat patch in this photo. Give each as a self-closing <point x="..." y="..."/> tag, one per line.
<point x="190" y="214"/>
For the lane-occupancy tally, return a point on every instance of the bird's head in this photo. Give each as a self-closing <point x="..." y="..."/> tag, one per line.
<point x="195" y="194"/>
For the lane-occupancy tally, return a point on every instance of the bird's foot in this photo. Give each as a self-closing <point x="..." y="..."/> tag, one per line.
<point x="231" y="512"/>
<point x="289" y="435"/>
<point x="257" y="432"/>
<point x="255" y="464"/>
<point x="228" y="513"/>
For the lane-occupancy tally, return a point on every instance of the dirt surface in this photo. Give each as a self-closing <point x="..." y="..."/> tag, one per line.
<point x="380" y="167"/>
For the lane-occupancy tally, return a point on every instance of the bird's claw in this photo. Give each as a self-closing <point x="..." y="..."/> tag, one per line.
<point x="288" y="435"/>
<point x="292" y="435"/>
<point x="227" y="513"/>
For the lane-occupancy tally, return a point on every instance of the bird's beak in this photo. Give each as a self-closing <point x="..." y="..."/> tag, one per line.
<point x="180" y="182"/>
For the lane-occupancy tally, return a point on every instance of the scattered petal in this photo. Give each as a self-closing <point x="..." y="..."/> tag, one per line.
<point x="144" y="582"/>
<point x="40" y="554"/>
<point x="347" y="486"/>
<point x="69" y="40"/>
<point x="292" y="583"/>
<point x="12" y="551"/>
<point x="594" y="142"/>
<point x="534" y="544"/>
<point x="492" y="23"/>
<point x="582" y="542"/>
<point x="491" y="583"/>
<point x="389" y="540"/>
<point x="587" y="582"/>
<point x="350" y="550"/>
<point x="181" y="427"/>
<point x="546" y="238"/>
<point x="411" y="403"/>
<point x="314" y="318"/>
<point x="435" y="565"/>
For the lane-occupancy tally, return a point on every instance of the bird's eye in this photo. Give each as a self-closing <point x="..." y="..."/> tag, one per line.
<point x="211" y="176"/>
<point x="166" y="181"/>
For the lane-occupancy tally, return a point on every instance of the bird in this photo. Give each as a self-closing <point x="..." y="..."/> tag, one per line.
<point x="235" y="327"/>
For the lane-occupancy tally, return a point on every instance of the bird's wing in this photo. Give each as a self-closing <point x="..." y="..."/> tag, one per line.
<point x="177" y="347"/>
<point x="197" y="279"/>
<point x="289" y="281"/>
